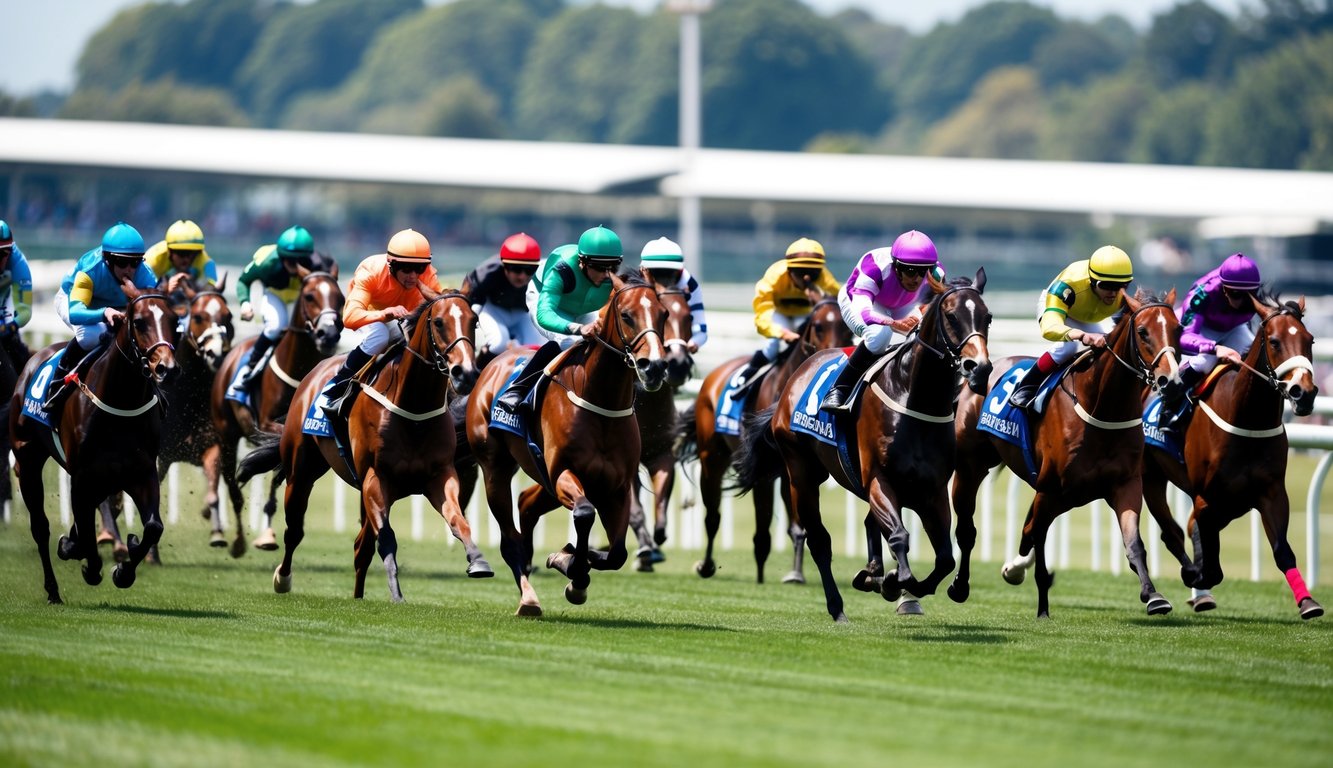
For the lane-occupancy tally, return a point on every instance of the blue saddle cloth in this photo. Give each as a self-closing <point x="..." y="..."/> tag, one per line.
<point x="518" y="423"/>
<point x="807" y="419"/>
<point x="240" y="395"/>
<point x="1008" y="423"/>
<point x="35" y="396"/>
<point x="316" y="421"/>
<point x="727" y="417"/>
<point x="1153" y="435"/>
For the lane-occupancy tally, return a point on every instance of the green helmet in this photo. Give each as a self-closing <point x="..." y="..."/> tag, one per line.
<point x="601" y="245"/>
<point x="296" y="243"/>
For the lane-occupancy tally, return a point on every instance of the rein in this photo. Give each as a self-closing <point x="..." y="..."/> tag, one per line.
<point x="1142" y="373"/>
<point x="139" y="357"/>
<point x="625" y="352"/>
<point x="953" y="355"/>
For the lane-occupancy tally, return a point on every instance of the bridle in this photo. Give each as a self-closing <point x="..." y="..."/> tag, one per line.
<point x="1272" y="375"/>
<point x="673" y="342"/>
<point x="439" y="356"/>
<point x="1143" y="368"/>
<point x="312" y="323"/>
<point x="214" y="328"/>
<point x="136" y="354"/>
<point x="953" y="351"/>
<point x="808" y="343"/>
<point x="627" y="347"/>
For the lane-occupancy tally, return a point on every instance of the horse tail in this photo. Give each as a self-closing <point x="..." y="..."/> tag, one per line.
<point x="264" y="458"/>
<point x="685" y="444"/>
<point x="757" y="459"/>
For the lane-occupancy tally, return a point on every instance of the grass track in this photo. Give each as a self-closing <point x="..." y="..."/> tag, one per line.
<point x="201" y="664"/>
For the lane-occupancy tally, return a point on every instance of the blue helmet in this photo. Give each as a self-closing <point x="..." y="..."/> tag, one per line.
<point x="123" y="239"/>
<point x="6" y="234"/>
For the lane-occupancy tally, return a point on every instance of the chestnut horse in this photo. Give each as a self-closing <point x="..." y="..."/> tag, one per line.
<point x="901" y="436"/>
<point x="1088" y="445"/>
<point x="1236" y="454"/>
<point x="311" y="335"/>
<point x="588" y="435"/>
<point x="401" y="441"/>
<point x="106" y="436"/>
<point x="823" y="329"/>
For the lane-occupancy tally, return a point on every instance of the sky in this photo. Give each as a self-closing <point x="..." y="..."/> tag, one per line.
<point x="44" y="37"/>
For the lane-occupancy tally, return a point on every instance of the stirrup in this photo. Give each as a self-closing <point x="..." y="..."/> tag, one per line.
<point x="841" y="404"/>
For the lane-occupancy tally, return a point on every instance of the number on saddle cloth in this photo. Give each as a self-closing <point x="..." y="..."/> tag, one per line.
<point x="34" y="397"/>
<point x="1153" y="434"/>
<point x="518" y="423"/>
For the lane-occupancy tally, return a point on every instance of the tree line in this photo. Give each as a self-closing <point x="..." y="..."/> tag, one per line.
<point x="1007" y="80"/>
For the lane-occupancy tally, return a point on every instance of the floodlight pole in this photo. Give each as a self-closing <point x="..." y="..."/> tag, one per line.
<point x="690" y="126"/>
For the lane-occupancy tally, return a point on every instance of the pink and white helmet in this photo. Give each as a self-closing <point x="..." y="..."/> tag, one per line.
<point x="914" y="249"/>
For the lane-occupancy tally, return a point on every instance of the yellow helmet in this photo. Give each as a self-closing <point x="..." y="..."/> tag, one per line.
<point x="409" y="245"/>
<point x="1112" y="264"/>
<point x="805" y="253"/>
<point x="185" y="235"/>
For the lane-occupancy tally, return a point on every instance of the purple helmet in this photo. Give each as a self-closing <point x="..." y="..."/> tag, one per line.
<point x="914" y="249"/>
<point x="1239" y="273"/>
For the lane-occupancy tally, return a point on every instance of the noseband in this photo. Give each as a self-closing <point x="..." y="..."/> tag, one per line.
<point x="952" y="351"/>
<point x="626" y="349"/>
<point x="439" y="357"/>
<point x="214" y="328"/>
<point x="137" y="354"/>
<point x="1143" y="369"/>
<point x="1273" y="374"/>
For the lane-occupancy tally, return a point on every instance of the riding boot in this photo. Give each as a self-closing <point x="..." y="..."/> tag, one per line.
<point x="1032" y="380"/>
<point x="838" y="396"/>
<point x="61" y="379"/>
<point x="339" y="392"/>
<point x="751" y="368"/>
<point x="512" y="398"/>
<point x="247" y="371"/>
<point x="1175" y="403"/>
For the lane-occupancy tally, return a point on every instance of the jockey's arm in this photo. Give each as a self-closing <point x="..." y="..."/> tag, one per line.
<point x="21" y="275"/>
<point x="80" y="297"/>
<point x="548" y="314"/>
<point x="764" y="307"/>
<point x="210" y="271"/>
<point x="694" y="296"/>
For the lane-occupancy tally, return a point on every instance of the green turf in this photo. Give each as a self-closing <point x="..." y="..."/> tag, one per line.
<point x="200" y="663"/>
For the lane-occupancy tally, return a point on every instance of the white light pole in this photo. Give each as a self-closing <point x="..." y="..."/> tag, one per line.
<point x="690" y="124"/>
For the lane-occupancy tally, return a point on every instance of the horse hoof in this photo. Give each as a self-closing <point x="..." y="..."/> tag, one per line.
<point x="217" y="539"/>
<point x="120" y="553"/>
<point x="657" y="556"/>
<point x="105" y="537"/>
<point x="266" y="541"/>
<point x="1202" y="603"/>
<point x="123" y="576"/>
<point x="841" y="618"/>
<point x="479" y="569"/>
<point x="794" y="577"/>
<point x="1013" y="576"/>
<point x="889" y="589"/>
<point x="90" y="577"/>
<point x="959" y="592"/>
<point x="911" y="608"/>
<point x="864" y="581"/>
<point x="705" y="568"/>
<point x="65" y="548"/>
<point x="1310" y="609"/>
<point x="54" y="599"/>
<point x="1158" y="605"/>
<point x="531" y="611"/>
<point x="575" y="596"/>
<point x="643" y="565"/>
<point x="281" y="584"/>
<point x="237" y="548"/>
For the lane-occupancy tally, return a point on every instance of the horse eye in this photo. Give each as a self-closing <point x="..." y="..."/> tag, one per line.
<point x="198" y="318"/>
<point x="309" y="298"/>
<point x="1275" y="343"/>
<point x="1143" y="333"/>
<point x="626" y="317"/>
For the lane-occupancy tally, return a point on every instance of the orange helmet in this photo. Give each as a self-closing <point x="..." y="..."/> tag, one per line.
<point x="520" y="250"/>
<point x="409" y="245"/>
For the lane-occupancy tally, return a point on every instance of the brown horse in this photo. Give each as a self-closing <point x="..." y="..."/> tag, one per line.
<point x="311" y="335"/>
<point x="901" y="437"/>
<point x="1236" y="454"/>
<point x="401" y="441"/>
<point x="107" y="438"/>
<point x="188" y="434"/>
<point x="823" y="329"/>
<point x="1088" y="445"/>
<point x="588" y="434"/>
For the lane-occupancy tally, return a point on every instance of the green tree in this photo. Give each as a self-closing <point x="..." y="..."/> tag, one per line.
<point x="13" y="106"/>
<point x="941" y="68"/>
<point x="1097" y="123"/>
<point x="1003" y="119"/>
<point x="1171" y="130"/>
<point x="1191" y="41"/>
<point x="162" y="101"/>
<point x="1076" y="53"/>
<point x="459" y="107"/>
<point x="649" y="111"/>
<point x="308" y="48"/>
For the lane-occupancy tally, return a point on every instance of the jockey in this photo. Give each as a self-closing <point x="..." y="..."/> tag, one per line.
<point x="573" y="287"/>
<point x="882" y="303"/>
<point x="275" y="266"/>
<point x="181" y="256"/>
<point x="384" y="290"/>
<point x="1215" y="323"/>
<point x="91" y="295"/>
<point x="1074" y="306"/>
<point x="786" y="295"/>
<point x="500" y="286"/>
<point x="15" y="297"/>
<point x="662" y="264"/>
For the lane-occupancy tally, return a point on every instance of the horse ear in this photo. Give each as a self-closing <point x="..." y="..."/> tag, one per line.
<point x="130" y="290"/>
<point x="430" y="293"/>
<point x="616" y="282"/>
<point x="222" y="282"/>
<point x="302" y="271"/>
<point x="935" y="285"/>
<point x="1301" y="303"/>
<point x="1132" y="303"/>
<point x="1171" y="296"/>
<point x="333" y="269"/>
<point x="979" y="282"/>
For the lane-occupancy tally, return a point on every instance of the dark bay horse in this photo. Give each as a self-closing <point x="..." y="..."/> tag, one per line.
<point x="1236" y="454"/>
<point x="106" y="437"/>
<point x="311" y="335"/>
<point x="901" y="431"/>
<point x="188" y="434"/>
<point x="1088" y="445"/>
<point x="401" y="438"/>
<point x="823" y="329"/>
<point x="589" y="437"/>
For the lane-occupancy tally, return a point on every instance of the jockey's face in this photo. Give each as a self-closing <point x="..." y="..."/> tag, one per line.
<point x="290" y="265"/>
<point x="123" y="267"/>
<point x="1107" y="291"/>
<point x="803" y="277"/>
<point x="910" y="276"/>
<point x="598" y="272"/>
<point x="408" y="274"/>
<point x="662" y="278"/>
<point x="1235" y="297"/>
<point x="519" y="275"/>
<point x="4" y="257"/>
<point x="181" y="260"/>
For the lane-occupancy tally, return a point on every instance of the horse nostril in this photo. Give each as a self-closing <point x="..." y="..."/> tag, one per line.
<point x="1295" y="393"/>
<point x="969" y="366"/>
<point x="1161" y="382"/>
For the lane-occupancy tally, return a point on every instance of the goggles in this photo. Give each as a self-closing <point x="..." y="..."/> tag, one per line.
<point x="412" y="267"/>
<point x="521" y="269"/>
<point x="910" y="270"/>
<point x="121" y="262"/>
<point x="1109" y="285"/>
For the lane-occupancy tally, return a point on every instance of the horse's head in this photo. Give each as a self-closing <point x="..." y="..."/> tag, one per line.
<point x="149" y="334"/>
<point x="824" y="328"/>
<point x="444" y="332"/>
<point x="1147" y="337"/>
<point x="632" y="324"/>
<point x="959" y="326"/>
<point x="1282" y="350"/>
<point x="210" y="329"/>
<point x="320" y="309"/>
<point x="677" y="335"/>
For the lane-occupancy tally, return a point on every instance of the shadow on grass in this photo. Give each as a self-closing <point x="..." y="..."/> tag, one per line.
<point x="962" y="634"/>
<point x="178" y="613"/>
<point x="608" y="623"/>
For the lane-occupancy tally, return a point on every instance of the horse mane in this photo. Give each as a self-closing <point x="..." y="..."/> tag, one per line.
<point x="631" y="278"/>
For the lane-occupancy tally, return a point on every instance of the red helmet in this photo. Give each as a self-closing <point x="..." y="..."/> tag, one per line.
<point x="521" y="250"/>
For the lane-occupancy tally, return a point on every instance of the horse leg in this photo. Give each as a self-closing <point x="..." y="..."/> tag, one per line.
<point x="643" y="558"/>
<point x="109" y="509"/>
<point x="1014" y="571"/>
<point x="615" y="521"/>
<point x="1154" y="497"/>
<point x="871" y="577"/>
<point x="308" y="466"/>
<point x="796" y="532"/>
<point x="966" y="483"/>
<point x="572" y="561"/>
<point x="375" y="517"/>
<point x="146" y="495"/>
<point x="763" y="521"/>
<point x="533" y="503"/>
<point x="1035" y="531"/>
<point x="364" y="553"/>
<point x="30" y="463"/>
<point x="804" y="485"/>
<point x="497" y="471"/>
<point x="664" y="482"/>
<point x="1127" y="500"/>
<point x="935" y="520"/>
<point x="710" y="495"/>
<point x="82" y="543"/>
<point x="443" y="495"/>
<point x="267" y="540"/>
<point x="887" y="514"/>
<point x="1275" y="512"/>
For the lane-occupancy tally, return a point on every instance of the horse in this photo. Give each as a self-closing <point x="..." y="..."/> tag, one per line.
<point x="699" y="438"/>
<point x="1235" y="454"/>
<point x="188" y="432"/>
<point x="901" y="439"/>
<point x="586" y="429"/>
<point x="1088" y="444"/>
<point x="400" y="441"/>
<point x="107" y="439"/>
<point x="311" y="335"/>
